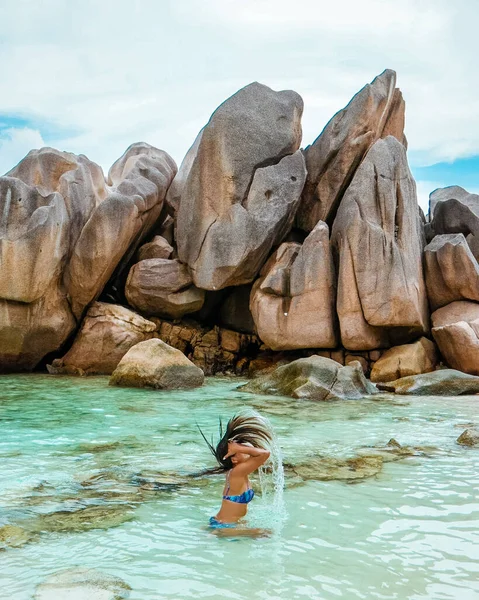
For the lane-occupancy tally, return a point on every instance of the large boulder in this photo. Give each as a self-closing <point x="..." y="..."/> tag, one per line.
<point x="314" y="378"/>
<point x="80" y="583"/>
<point x="378" y="237"/>
<point x="452" y="272"/>
<point x="242" y="188"/>
<point x="444" y="382"/>
<point x="64" y="231"/>
<point x="405" y="360"/>
<point x="175" y="191"/>
<point x="455" y="312"/>
<point x="163" y="288"/>
<point x="376" y="111"/>
<point x="456" y="331"/>
<point x="293" y="302"/>
<point x="155" y="364"/>
<point x="452" y="192"/>
<point x="139" y="181"/>
<point x="454" y="210"/>
<point x="107" y="333"/>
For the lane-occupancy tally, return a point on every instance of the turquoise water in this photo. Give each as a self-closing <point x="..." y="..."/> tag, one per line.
<point x="77" y="455"/>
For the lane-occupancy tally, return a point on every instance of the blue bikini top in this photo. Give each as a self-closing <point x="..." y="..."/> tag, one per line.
<point x="243" y="498"/>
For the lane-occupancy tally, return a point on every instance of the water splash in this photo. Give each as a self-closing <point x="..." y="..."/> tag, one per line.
<point x="273" y="512"/>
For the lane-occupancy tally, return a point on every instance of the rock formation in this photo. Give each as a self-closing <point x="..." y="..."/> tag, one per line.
<point x="456" y="331"/>
<point x="63" y="232"/>
<point x="107" y="333"/>
<point x="157" y="248"/>
<point x="155" y="364"/>
<point x="444" y="382"/>
<point x="452" y="272"/>
<point x="314" y="378"/>
<point x="293" y="301"/>
<point x="243" y="187"/>
<point x="375" y="111"/>
<point x="81" y="583"/>
<point x="405" y="360"/>
<point x="378" y="237"/>
<point x="163" y="288"/>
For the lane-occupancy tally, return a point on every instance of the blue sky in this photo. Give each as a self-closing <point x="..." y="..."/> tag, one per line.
<point x="93" y="77"/>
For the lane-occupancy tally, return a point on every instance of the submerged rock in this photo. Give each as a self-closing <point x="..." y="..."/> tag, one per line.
<point x="469" y="437"/>
<point x="444" y="382"/>
<point x="155" y="364"/>
<point x="327" y="468"/>
<point x="12" y="536"/>
<point x="314" y="378"/>
<point x="107" y="333"/>
<point x="102" y="516"/>
<point x="405" y="360"/>
<point x="82" y="584"/>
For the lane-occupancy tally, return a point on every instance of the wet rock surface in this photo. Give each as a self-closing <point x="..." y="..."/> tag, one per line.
<point x="444" y="382"/>
<point x="155" y="364"/>
<point x="314" y="378"/>
<point x="469" y="437"/>
<point x="82" y="584"/>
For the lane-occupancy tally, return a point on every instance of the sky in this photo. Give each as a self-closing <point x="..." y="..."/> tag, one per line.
<point x="94" y="76"/>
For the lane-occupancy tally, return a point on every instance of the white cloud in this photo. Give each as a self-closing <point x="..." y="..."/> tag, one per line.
<point x="15" y="143"/>
<point x="120" y="72"/>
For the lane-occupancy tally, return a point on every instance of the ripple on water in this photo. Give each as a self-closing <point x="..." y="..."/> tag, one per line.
<point x="71" y="445"/>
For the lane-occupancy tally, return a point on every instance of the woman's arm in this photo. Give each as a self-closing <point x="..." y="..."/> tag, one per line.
<point x="258" y="457"/>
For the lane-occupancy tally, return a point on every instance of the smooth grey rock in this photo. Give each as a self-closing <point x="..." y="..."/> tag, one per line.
<point x="314" y="378"/>
<point x="452" y="272"/>
<point x="444" y="382"/>
<point x="376" y="111"/>
<point x="243" y="186"/>
<point x="378" y="237"/>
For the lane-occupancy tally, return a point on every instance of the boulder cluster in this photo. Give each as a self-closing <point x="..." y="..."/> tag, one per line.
<point x="253" y="250"/>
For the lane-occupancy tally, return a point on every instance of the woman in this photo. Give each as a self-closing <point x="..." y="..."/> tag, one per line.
<point x="240" y="451"/>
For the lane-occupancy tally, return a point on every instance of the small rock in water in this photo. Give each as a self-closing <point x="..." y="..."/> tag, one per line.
<point x="469" y="437"/>
<point x="92" y="517"/>
<point x="82" y="584"/>
<point x="327" y="468"/>
<point x="444" y="382"/>
<point x="12" y="536"/>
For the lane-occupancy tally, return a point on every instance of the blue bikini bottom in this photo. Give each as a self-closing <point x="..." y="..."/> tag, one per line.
<point x="215" y="524"/>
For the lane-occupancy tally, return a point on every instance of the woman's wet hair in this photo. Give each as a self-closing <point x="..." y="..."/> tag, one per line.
<point x="242" y="429"/>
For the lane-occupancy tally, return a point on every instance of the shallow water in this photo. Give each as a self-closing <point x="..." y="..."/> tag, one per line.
<point x="411" y="532"/>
